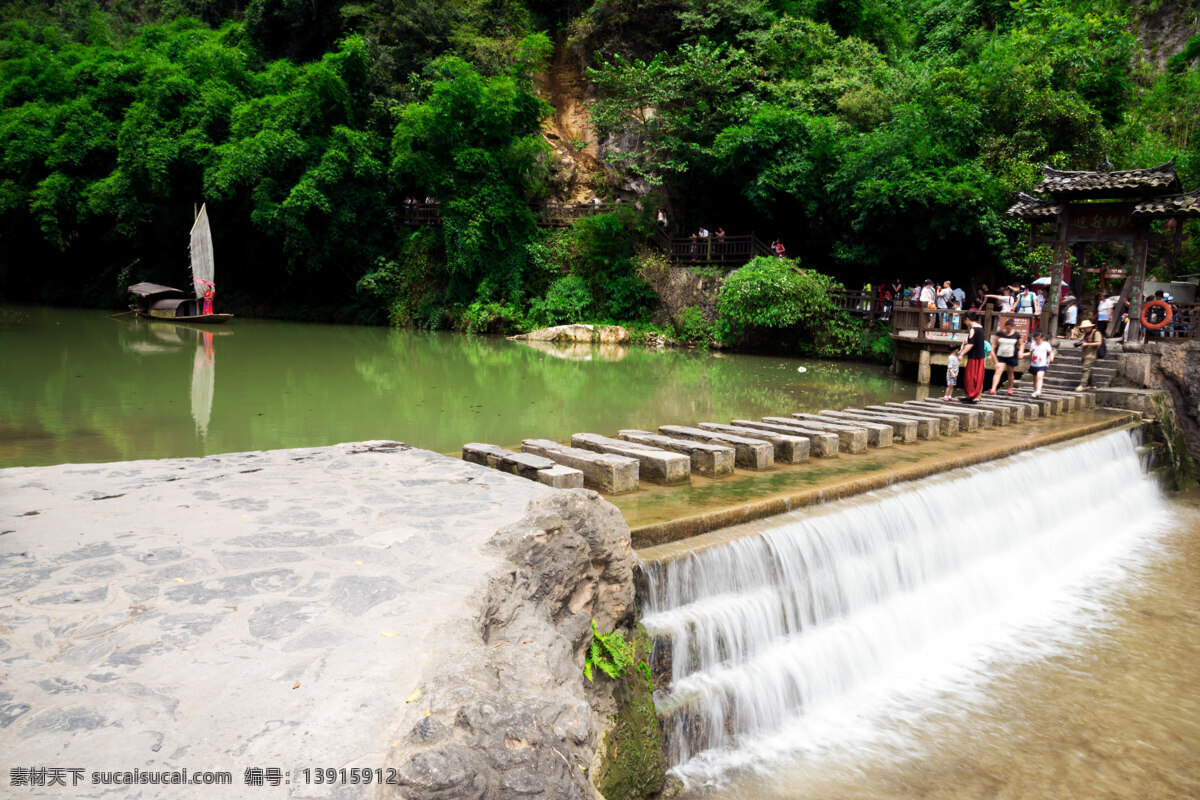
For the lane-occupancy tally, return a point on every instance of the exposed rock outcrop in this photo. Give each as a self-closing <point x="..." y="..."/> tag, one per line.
<point x="601" y="334"/>
<point x="506" y="711"/>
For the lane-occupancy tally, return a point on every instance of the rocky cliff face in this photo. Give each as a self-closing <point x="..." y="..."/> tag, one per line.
<point x="1176" y="369"/>
<point x="506" y="711"/>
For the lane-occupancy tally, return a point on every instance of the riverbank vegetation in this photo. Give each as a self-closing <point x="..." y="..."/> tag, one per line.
<point x="877" y="139"/>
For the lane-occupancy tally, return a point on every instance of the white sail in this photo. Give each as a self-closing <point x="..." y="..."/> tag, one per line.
<point x="203" y="266"/>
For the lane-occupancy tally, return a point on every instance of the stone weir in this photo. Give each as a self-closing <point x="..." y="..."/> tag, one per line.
<point x="316" y="618"/>
<point x="686" y="479"/>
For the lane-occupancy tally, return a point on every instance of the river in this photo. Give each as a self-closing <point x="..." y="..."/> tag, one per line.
<point x="81" y="386"/>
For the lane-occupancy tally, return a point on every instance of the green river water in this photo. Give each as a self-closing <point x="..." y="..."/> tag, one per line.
<point x="81" y="386"/>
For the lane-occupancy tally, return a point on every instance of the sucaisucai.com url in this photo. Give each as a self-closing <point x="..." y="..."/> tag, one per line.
<point x="139" y="777"/>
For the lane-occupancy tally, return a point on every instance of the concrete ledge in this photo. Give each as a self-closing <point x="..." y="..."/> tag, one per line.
<point x="903" y="430"/>
<point x="821" y="444"/>
<point x="603" y="472"/>
<point x="654" y="464"/>
<point x="1129" y="399"/>
<point x="748" y="453"/>
<point x="788" y="449"/>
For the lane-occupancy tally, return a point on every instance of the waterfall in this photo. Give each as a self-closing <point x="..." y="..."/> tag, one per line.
<point x="765" y="631"/>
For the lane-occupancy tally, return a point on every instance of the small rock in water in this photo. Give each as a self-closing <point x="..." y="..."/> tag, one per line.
<point x="801" y="369"/>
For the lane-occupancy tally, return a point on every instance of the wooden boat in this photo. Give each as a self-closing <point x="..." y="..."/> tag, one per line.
<point x="155" y="301"/>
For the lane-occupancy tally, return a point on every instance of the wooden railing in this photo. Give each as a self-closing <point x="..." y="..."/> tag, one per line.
<point x="717" y="250"/>
<point x="942" y="326"/>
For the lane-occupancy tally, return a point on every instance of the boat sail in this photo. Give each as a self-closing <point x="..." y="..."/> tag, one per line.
<point x="203" y="265"/>
<point x="164" y="302"/>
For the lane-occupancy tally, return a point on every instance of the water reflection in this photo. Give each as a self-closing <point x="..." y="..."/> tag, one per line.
<point x="204" y="376"/>
<point x="77" y="386"/>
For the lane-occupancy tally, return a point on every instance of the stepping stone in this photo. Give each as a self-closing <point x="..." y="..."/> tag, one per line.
<point x="850" y="440"/>
<point x="1032" y="407"/>
<point x="788" y="449"/>
<point x="710" y="460"/>
<point x="903" y="430"/>
<point x="748" y="453"/>
<point x="984" y="418"/>
<point x="878" y="435"/>
<point x="654" y="464"/>
<point x="603" y="472"/>
<point x="1003" y="414"/>
<point x="821" y="444"/>
<point x="947" y="424"/>
<point x="560" y="477"/>
<point x="526" y="465"/>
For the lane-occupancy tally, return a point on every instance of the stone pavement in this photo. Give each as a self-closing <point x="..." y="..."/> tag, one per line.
<point x="250" y="610"/>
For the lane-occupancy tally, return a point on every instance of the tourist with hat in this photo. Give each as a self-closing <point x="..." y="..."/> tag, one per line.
<point x="1091" y="342"/>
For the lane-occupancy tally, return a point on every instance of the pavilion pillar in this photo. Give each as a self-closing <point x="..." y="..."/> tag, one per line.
<point x="1141" y="248"/>
<point x="1062" y="268"/>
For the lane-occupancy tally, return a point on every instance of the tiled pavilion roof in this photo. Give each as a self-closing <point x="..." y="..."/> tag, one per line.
<point x="1035" y="209"/>
<point x="1062" y="184"/>
<point x="1179" y="205"/>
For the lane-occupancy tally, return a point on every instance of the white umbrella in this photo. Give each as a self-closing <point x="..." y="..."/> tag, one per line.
<point x="1046" y="282"/>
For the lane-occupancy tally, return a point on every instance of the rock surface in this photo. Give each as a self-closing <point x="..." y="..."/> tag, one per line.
<point x="600" y="334"/>
<point x="1177" y="371"/>
<point x="505" y="712"/>
<point x="277" y="610"/>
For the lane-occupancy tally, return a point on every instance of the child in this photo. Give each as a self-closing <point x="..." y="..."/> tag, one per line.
<point x="951" y="372"/>
<point x="1041" y="355"/>
<point x="1070" y="316"/>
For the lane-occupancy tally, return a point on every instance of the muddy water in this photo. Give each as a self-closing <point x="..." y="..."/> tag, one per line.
<point x="1105" y="705"/>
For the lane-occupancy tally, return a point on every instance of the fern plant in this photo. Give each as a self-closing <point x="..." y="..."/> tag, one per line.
<point x="610" y="652"/>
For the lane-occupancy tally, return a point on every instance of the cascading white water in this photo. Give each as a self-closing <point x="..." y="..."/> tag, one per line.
<point x="767" y="629"/>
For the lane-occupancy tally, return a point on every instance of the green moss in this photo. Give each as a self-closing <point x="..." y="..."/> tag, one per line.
<point x="632" y="764"/>
<point x="1176" y="468"/>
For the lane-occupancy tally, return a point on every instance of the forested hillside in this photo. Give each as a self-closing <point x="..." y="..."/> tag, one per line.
<point x="876" y="137"/>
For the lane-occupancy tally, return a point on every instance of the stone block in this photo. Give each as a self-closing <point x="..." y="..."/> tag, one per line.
<point x="850" y="440"/>
<point x="878" y="435"/>
<point x="821" y="444"/>
<point x="603" y="472"/>
<point x="654" y="464"/>
<point x="903" y="430"/>
<point x="488" y="455"/>
<point x="1002" y="414"/>
<point x="788" y="449"/>
<point x="560" y="477"/>
<point x="981" y="418"/>
<point x="748" y="453"/>
<point x="710" y="460"/>
<point x="948" y="424"/>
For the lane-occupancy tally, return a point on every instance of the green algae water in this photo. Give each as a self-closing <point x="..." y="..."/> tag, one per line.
<point x="81" y="386"/>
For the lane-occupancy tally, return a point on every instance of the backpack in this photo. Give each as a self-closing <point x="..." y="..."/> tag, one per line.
<point x="1102" y="351"/>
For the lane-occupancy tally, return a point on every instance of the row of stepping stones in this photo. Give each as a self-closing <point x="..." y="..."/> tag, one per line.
<point x="615" y="465"/>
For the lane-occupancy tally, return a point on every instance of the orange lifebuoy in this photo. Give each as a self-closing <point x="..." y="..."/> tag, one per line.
<point x="1166" y="311"/>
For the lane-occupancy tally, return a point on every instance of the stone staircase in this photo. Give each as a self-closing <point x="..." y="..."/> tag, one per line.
<point x="1067" y="368"/>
